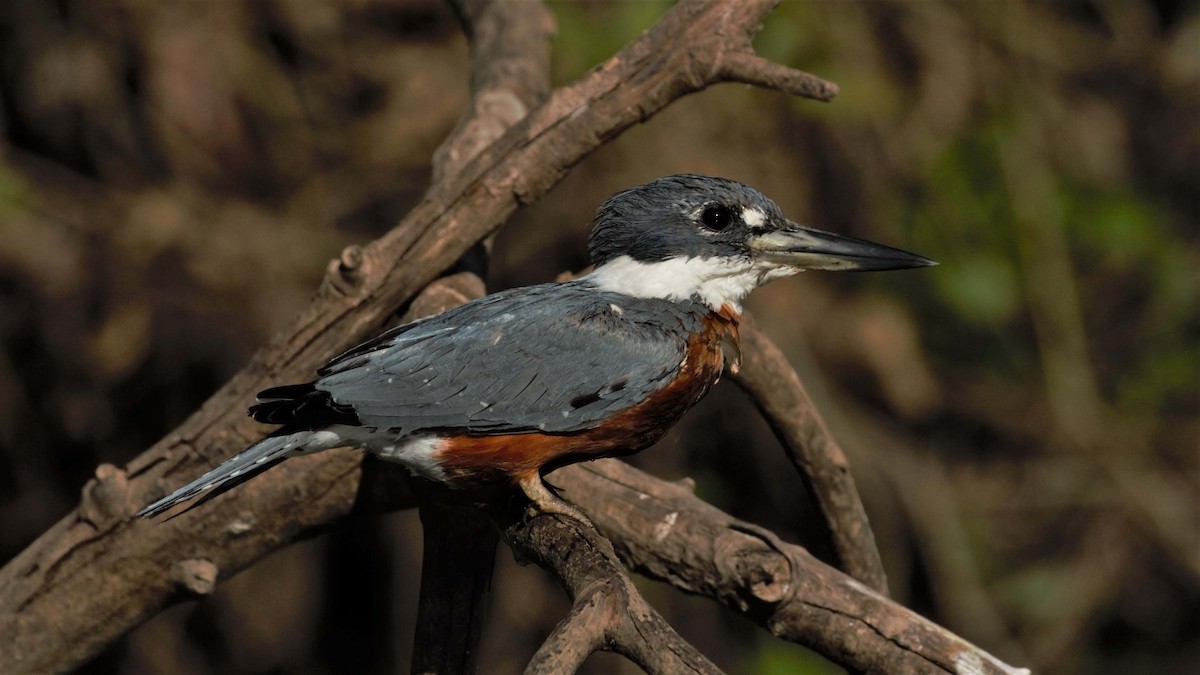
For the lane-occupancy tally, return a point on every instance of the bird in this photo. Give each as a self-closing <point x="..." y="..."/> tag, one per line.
<point x="508" y="387"/>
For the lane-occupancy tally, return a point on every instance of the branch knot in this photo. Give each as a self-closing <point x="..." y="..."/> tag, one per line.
<point x="106" y="497"/>
<point x="345" y="274"/>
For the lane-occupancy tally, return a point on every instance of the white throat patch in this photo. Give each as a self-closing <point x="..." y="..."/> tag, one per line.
<point x="715" y="281"/>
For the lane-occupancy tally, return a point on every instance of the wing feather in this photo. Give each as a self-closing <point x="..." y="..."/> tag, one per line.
<point x="549" y="358"/>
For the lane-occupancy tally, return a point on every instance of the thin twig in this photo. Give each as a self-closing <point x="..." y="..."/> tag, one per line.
<point x="750" y="68"/>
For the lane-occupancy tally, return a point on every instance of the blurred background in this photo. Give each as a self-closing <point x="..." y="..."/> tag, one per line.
<point x="1023" y="421"/>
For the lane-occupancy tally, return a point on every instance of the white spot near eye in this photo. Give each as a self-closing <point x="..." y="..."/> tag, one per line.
<point x="754" y="218"/>
<point x="616" y="310"/>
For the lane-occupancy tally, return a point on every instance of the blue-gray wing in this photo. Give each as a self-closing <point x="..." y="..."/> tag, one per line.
<point x="554" y="358"/>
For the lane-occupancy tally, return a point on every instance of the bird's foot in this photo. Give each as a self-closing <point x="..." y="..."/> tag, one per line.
<point x="546" y="501"/>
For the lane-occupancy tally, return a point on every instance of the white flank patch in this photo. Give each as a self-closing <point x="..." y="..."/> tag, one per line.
<point x="324" y="440"/>
<point x="419" y="454"/>
<point x="716" y="281"/>
<point x="754" y="218"/>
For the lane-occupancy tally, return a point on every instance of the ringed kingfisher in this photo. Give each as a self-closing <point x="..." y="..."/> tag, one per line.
<point x="515" y="384"/>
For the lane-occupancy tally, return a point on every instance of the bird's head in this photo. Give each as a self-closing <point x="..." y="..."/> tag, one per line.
<point x="687" y="236"/>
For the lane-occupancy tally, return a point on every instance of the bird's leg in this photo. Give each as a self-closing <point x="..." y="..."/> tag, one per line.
<point x="548" y="502"/>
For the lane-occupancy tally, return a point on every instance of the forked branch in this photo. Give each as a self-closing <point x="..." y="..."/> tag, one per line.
<point x="607" y="613"/>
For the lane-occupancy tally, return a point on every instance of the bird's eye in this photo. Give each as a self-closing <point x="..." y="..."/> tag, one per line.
<point x="716" y="217"/>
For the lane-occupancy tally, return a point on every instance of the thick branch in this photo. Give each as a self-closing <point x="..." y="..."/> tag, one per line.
<point x="510" y="74"/>
<point x="97" y="573"/>
<point x="664" y="531"/>
<point x="772" y="383"/>
<point x="608" y="612"/>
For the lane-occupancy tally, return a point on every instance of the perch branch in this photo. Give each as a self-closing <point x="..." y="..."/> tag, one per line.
<point x="767" y="376"/>
<point x="664" y="531"/>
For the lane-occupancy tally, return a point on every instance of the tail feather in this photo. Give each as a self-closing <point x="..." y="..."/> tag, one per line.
<point x="301" y="406"/>
<point x="233" y="471"/>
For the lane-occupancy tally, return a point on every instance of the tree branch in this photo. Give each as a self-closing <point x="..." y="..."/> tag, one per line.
<point x="767" y="376"/>
<point x="750" y="68"/>
<point x="608" y="612"/>
<point x="510" y="74"/>
<point x="664" y="531"/>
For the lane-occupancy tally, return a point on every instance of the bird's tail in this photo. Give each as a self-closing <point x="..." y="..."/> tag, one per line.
<point x="236" y="470"/>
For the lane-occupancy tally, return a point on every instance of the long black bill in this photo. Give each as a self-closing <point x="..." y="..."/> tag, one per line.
<point x="812" y="249"/>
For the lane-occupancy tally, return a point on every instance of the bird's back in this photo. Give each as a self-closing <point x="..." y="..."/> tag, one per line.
<point x="556" y="358"/>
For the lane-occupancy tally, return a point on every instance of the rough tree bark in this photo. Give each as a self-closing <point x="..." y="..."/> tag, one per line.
<point x="98" y="572"/>
<point x="665" y="532"/>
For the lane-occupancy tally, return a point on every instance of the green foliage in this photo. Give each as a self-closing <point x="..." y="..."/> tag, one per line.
<point x="960" y="209"/>
<point x="589" y="33"/>
<point x="783" y="658"/>
<point x="1125" y="241"/>
<point x="14" y="192"/>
